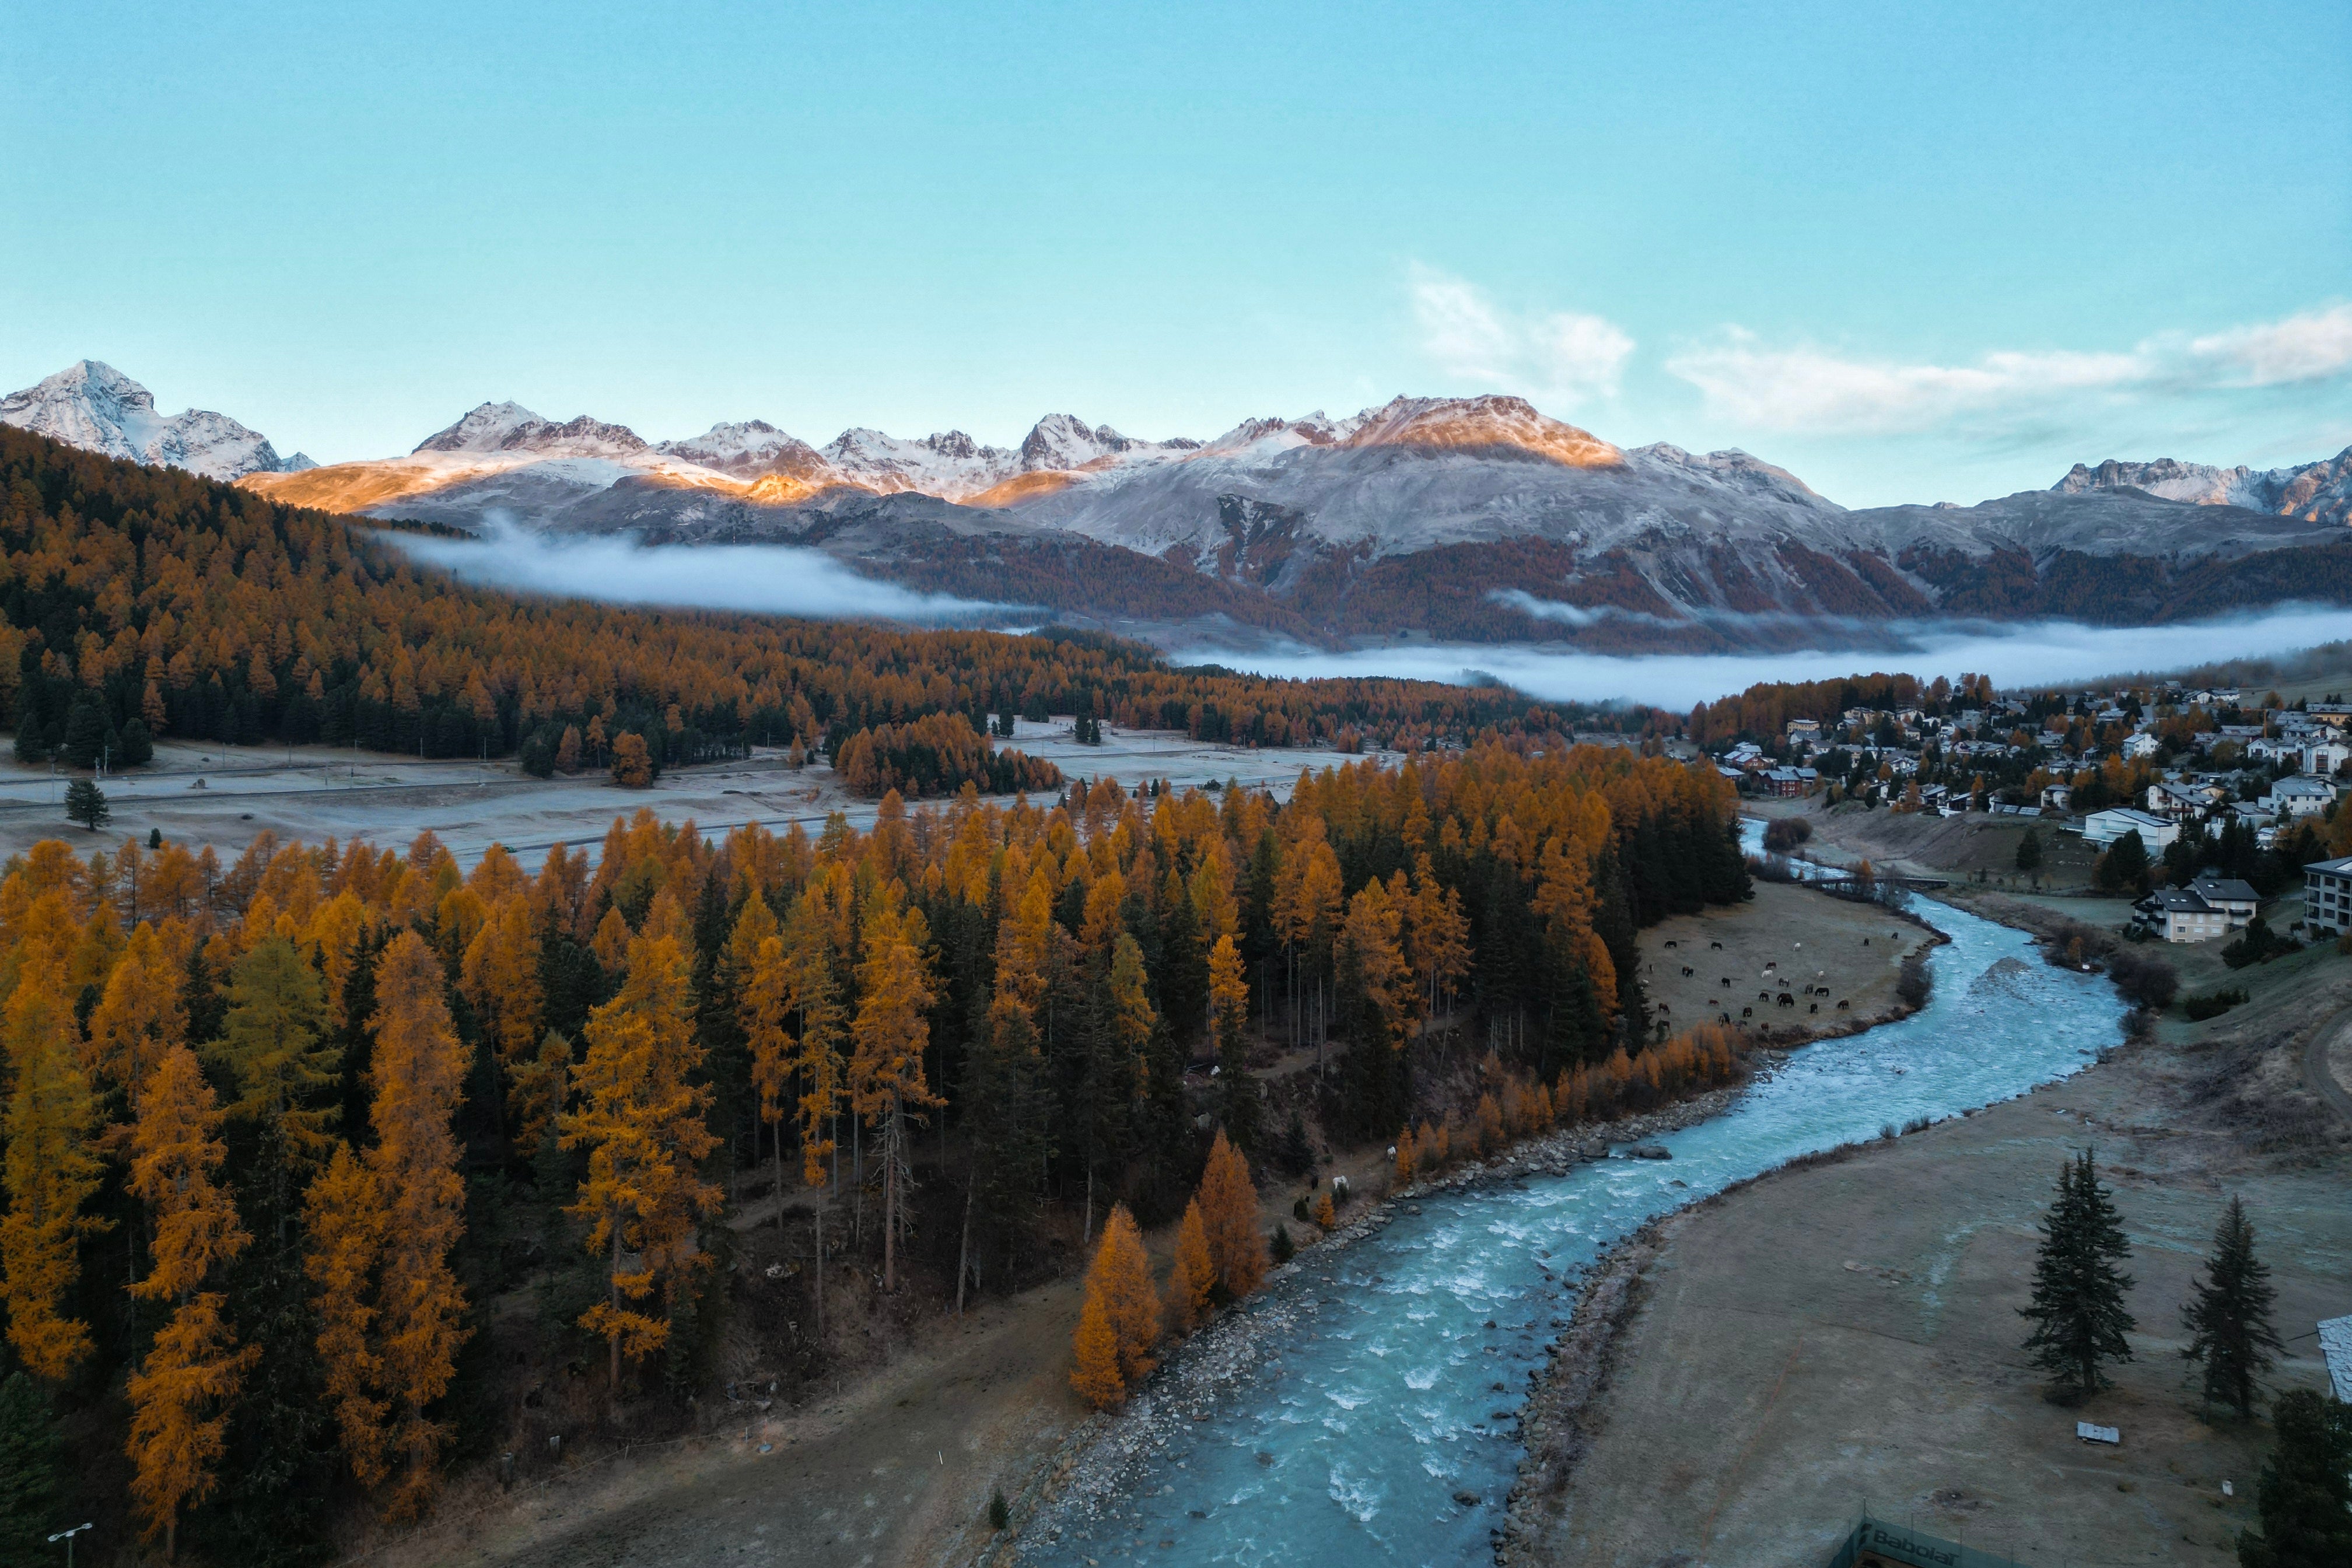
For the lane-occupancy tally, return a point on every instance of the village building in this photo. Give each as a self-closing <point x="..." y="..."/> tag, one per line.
<point x="2328" y="894"/>
<point x="2178" y="914"/>
<point x="2102" y="828"/>
<point x="2299" y="796"/>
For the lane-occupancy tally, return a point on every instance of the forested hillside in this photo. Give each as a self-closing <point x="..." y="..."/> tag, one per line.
<point x="144" y="602"/>
<point x="340" y="1167"/>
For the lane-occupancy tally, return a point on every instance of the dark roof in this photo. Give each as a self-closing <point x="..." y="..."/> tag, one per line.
<point x="2174" y="900"/>
<point x="2230" y="887"/>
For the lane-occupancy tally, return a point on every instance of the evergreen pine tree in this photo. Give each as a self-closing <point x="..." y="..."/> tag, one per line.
<point x="2228" y="1315"/>
<point x="30" y="1454"/>
<point x="2305" y="1492"/>
<point x="86" y="804"/>
<point x="1237" y="1099"/>
<point x="2029" y="851"/>
<point x="2078" y="1292"/>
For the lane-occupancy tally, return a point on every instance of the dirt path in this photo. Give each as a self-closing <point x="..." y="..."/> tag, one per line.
<point x="2319" y="1071"/>
<point x="897" y="1470"/>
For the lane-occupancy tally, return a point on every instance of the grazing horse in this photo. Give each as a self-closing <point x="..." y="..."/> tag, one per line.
<point x="1815" y="1008"/>
<point x="1843" y="1005"/>
<point x="1672" y="943"/>
<point x="1687" y="969"/>
<point x="1716" y="945"/>
<point x="1784" y="1000"/>
<point x="1748" y="1012"/>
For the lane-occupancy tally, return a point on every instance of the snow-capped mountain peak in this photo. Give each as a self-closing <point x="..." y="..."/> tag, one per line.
<point x="2315" y="492"/>
<point x="1481" y="423"/>
<point x="949" y="464"/>
<point x="509" y="428"/>
<point x="748" y="450"/>
<point x="93" y="406"/>
<point x="1063" y="441"/>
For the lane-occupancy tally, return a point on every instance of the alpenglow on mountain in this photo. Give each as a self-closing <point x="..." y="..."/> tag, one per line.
<point x="95" y="406"/>
<point x="1457" y="519"/>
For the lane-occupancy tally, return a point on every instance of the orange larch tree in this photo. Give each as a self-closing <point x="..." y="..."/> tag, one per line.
<point x="501" y="978"/>
<point x="391" y="1324"/>
<point x="1228" y="1202"/>
<point x="1194" y="1279"/>
<point x="50" y="1171"/>
<point x="1119" y="1324"/>
<point x="640" y="1117"/>
<point x="194" y="1367"/>
<point x="887" y="1086"/>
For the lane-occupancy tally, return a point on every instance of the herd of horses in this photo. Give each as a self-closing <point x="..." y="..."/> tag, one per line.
<point x="1782" y="999"/>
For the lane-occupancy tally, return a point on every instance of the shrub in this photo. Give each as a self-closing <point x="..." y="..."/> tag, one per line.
<point x="2144" y="979"/>
<point x="1784" y="835"/>
<point x="2259" y="945"/>
<point x="2213" y="1006"/>
<point x="1916" y="982"/>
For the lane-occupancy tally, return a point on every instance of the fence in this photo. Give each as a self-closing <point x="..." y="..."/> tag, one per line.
<point x="1875" y="1541"/>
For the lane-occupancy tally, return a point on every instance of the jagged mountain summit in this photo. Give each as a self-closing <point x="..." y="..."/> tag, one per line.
<point x="96" y="407"/>
<point x="1472" y="518"/>
<point x="2316" y="492"/>
<point x="1457" y="517"/>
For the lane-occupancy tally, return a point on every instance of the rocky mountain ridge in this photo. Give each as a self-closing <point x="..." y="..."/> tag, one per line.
<point x="2316" y="492"/>
<point x="95" y="406"/>
<point x="1475" y="518"/>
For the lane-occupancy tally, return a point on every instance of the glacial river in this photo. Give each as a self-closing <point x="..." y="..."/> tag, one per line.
<point x="1351" y="1443"/>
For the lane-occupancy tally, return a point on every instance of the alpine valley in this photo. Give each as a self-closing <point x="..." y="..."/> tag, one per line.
<point x="1458" y="519"/>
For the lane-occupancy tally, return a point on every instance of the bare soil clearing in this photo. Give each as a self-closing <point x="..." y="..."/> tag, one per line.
<point x="1846" y="1331"/>
<point x="896" y="1469"/>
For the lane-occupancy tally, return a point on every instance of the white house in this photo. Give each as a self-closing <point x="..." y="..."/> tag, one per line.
<point x="2328" y="894"/>
<point x="2102" y="828"/>
<point x="2177" y="914"/>
<point x="2324" y="757"/>
<point x="2237" y="900"/>
<point x="2143" y="744"/>
<point x="2299" y="796"/>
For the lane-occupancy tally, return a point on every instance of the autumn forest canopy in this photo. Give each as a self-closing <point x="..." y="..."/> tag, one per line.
<point x="282" y="1133"/>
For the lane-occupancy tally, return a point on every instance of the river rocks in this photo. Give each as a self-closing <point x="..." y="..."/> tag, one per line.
<point x="1650" y="1151"/>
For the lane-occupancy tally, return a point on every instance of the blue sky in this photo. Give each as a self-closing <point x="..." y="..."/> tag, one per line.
<point x="1938" y="254"/>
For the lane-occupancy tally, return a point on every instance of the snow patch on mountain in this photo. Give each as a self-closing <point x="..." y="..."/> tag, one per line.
<point x="509" y="428"/>
<point x="949" y="464"/>
<point x="96" y="407"/>
<point x="751" y="450"/>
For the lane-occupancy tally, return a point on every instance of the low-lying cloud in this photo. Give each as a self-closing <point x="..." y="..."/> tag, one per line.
<point x="1820" y="392"/>
<point x="2026" y="655"/>
<point x="768" y="579"/>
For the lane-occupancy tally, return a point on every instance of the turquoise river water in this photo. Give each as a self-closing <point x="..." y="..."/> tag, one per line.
<point x="1351" y="1442"/>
